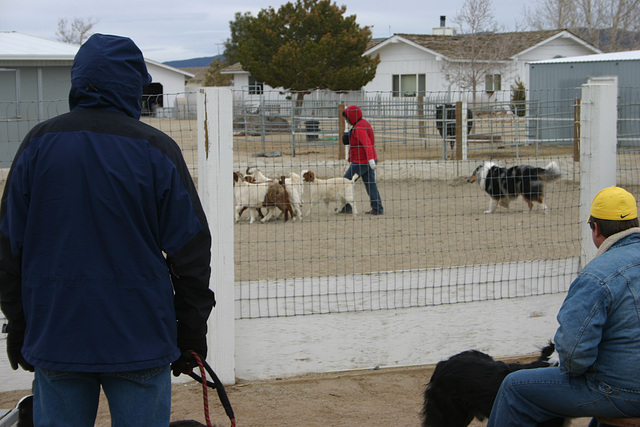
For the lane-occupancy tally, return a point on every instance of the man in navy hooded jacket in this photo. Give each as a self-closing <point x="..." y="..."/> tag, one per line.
<point x="104" y="251"/>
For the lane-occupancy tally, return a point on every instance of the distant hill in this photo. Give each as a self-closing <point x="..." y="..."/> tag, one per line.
<point x="194" y="62"/>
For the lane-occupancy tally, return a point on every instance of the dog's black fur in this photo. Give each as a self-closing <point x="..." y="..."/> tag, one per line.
<point x="465" y="386"/>
<point x="449" y="131"/>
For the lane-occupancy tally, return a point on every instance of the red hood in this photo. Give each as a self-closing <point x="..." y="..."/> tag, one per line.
<point x="354" y="113"/>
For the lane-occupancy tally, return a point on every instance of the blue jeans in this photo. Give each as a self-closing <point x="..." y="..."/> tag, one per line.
<point x="529" y="396"/>
<point x="136" y="398"/>
<point x="368" y="176"/>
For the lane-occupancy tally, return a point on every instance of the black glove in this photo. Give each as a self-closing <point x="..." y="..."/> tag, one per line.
<point x="15" y="339"/>
<point x="184" y="365"/>
<point x="186" y="362"/>
<point x="345" y="138"/>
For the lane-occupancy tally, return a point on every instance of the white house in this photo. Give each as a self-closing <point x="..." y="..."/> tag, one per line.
<point x="35" y="78"/>
<point x="412" y="64"/>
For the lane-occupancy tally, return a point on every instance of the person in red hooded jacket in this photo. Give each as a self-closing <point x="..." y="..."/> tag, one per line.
<point x="362" y="157"/>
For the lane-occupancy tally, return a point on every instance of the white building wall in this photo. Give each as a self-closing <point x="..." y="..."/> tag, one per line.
<point x="173" y="83"/>
<point x="401" y="58"/>
<point x="560" y="47"/>
<point x="240" y="80"/>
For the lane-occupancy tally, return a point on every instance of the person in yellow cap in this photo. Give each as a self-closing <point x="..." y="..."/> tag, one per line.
<point x="598" y="340"/>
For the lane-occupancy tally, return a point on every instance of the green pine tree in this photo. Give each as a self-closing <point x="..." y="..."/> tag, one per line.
<point x="304" y="46"/>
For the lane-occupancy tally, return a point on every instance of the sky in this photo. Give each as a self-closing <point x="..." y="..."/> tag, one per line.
<point x="172" y="30"/>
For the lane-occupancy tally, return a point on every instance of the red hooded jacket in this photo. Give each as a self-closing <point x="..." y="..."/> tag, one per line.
<point x="361" y="140"/>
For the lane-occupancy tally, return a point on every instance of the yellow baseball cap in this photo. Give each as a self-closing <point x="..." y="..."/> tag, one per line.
<point x="614" y="204"/>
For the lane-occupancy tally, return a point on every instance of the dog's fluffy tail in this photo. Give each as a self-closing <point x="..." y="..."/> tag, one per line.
<point x="355" y="177"/>
<point x="551" y="172"/>
<point x="550" y="355"/>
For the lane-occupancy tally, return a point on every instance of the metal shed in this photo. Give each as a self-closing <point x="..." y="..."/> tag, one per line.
<point x="556" y="84"/>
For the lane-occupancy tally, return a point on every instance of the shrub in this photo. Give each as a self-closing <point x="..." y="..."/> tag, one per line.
<point x="518" y="98"/>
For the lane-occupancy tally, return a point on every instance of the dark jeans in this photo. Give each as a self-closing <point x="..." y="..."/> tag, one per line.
<point x="368" y="176"/>
<point x="140" y="398"/>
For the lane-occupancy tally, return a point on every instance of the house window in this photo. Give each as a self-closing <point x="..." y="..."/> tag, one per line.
<point x="492" y="82"/>
<point x="9" y="93"/>
<point x="255" y="88"/>
<point x="408" y="84"/>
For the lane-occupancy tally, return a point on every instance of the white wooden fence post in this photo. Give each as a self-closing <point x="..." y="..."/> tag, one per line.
<point x="215" y="167"/>
<point x="598" y="141"/>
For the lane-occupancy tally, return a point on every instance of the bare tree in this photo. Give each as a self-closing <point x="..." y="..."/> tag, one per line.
<point x="75" y="32"/>
<point x="552" y="14"/>
<point x="610" y="25"/>
<point x="476" y="16"/>
<point x="477" y="53"/>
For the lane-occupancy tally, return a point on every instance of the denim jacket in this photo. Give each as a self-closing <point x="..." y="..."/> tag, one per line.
<point x="599" y="332"/>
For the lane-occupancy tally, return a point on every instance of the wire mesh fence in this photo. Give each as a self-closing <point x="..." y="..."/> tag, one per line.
<point x="434" y="244"/>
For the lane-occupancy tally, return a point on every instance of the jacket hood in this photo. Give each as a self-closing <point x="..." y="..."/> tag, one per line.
<point x="108" y="72"/>
<point x="353" y="113"/>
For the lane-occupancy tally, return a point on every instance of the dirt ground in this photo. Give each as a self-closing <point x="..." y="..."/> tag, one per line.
<point x="385" y="397"/>
<point x="411" y="234"/>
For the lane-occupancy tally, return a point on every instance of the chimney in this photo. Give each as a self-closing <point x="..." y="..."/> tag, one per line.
<point x="443" y="30"/>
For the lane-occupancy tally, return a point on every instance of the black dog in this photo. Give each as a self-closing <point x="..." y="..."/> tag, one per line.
<point x="465" y="386"/>
<point x="449" y="131"/>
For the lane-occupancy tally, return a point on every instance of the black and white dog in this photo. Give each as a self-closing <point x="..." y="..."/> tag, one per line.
<point x="465" y="386"/>
<point x="505" y="184"/>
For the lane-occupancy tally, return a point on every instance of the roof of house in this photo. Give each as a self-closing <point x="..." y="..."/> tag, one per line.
<point x="458" y="47"/>
<point x="185" y="73"/>
<point x="15" y="46"/>
<point x="631" y="55"/>
<point x="233" y="69"/>
<point x="18" y="46"/>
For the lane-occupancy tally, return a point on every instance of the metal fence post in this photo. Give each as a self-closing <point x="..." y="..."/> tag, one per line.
<point x="293" y="127"/>
<point x="263" y="127"/>
<point x="598" y="141"/>
<point x="215" y="167"/>
<point x="422" y="126"/>
<point x="576" y="130"/>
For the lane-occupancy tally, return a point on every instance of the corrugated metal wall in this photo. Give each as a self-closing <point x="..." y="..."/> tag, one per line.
<point x="556" y="86"/>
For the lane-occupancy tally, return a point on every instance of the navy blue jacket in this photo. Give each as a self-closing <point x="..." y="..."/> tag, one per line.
<point x="104" y="245"/>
